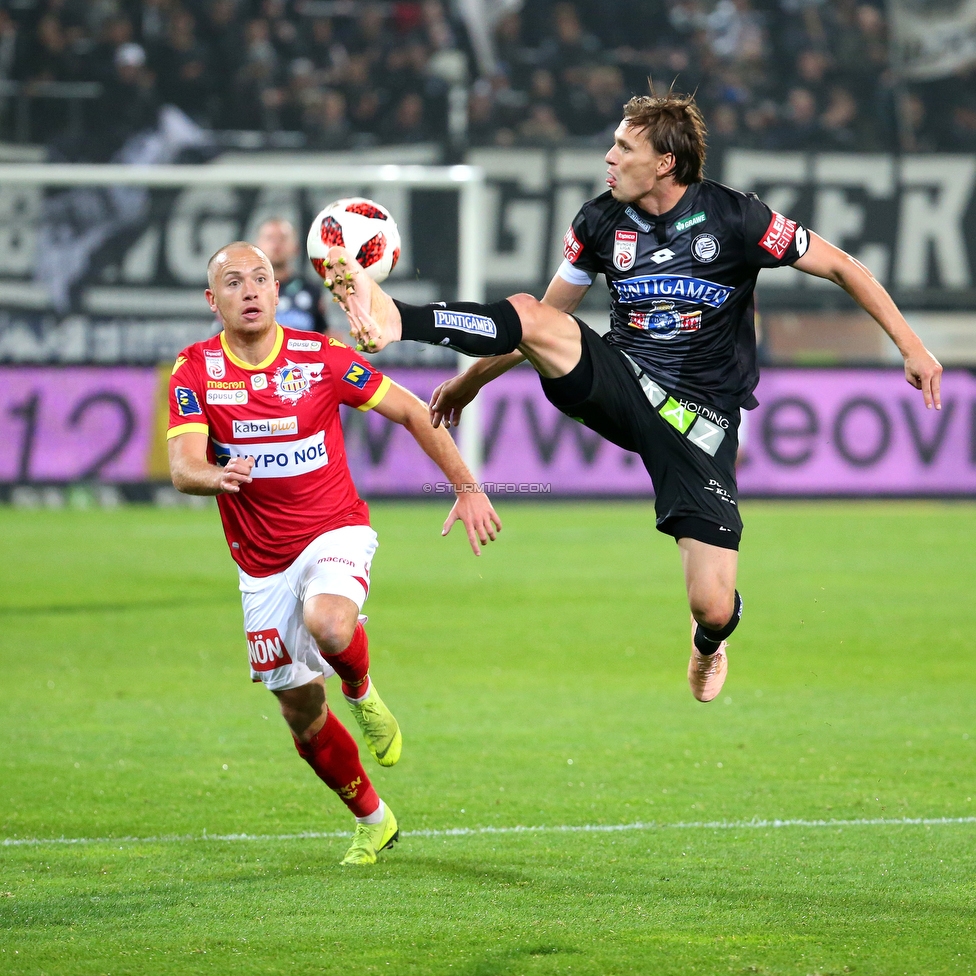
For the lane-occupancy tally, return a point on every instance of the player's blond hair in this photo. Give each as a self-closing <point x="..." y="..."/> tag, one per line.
<point x="672" y="124"/>
<point x="212" y="263"/>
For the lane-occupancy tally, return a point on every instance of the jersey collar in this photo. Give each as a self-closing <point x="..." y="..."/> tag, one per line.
<point x="688" y="200"/>
<point x="264" y="364"/>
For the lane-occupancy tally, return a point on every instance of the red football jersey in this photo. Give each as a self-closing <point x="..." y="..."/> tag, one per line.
<point x="284" y="413"/>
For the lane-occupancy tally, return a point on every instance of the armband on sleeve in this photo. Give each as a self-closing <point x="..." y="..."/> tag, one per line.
<point x="574" y="275"/>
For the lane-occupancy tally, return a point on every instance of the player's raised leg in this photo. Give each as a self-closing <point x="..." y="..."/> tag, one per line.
<point x="326" y="745"/>
<point x="549" y="338"/>
<point x="334" y="623"/>
<point x="716" y="608"/>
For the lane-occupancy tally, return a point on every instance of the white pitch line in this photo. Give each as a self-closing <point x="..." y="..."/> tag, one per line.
<point x="481" y="831"/>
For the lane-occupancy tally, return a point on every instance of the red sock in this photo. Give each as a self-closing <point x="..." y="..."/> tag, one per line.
<point x="352" y="664"/>
<point x="334" y="756"/>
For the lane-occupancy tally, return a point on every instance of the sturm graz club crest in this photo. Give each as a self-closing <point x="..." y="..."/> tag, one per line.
<point x="705" y="248"/>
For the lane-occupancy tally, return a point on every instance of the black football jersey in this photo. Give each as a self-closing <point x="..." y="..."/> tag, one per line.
<point x="681" y="284"/>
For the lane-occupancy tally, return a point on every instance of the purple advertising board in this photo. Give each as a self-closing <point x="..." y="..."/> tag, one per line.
<point x="76" y="423"/>
<point x="859" y="432"/>
<point x="816" y="432"/>
<point x="529" y="446"/>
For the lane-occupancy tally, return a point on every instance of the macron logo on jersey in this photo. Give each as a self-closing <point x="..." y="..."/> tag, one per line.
<point x="682" y="287"/>
<point x="270" y="427"/>
<point x="464" y="322"/>
<point x="277" y="460"/>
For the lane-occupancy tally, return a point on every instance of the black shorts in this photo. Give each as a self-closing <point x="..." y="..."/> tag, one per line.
<point x="688" y="448"/>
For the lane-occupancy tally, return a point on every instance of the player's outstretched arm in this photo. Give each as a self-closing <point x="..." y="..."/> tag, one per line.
<point x="193" y="474"/>
<point x="922" y="369"/>
<point x="453" y="395"/>
<point x="472" y="507"/>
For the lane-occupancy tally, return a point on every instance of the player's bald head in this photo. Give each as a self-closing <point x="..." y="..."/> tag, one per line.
<point x="228" y="253"/>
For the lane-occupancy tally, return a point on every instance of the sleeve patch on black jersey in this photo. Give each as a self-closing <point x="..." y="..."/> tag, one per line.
<point x="779" y="235"/>
<point x="571" y="246"/>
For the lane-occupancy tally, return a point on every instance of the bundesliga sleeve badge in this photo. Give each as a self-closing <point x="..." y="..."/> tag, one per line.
<point x="624" y="249"/>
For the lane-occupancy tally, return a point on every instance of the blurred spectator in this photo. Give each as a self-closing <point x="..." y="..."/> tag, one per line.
<point x="570" y="49"/>
<point x="407" y="123"/>
<point x="542" y="127"/>
<point x="225" y="39"/>
<point x="839" y="121"/>
<point x="299" y="303"/>
<point x="11" y="47"/>
<point x="963" y="132"/>
<point x="183" y="67"/>
<point x="326" y="121"/>
<point x="799" y="127"/>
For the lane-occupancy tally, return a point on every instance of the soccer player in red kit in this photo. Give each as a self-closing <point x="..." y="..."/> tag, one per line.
<point x="254" y="420"/>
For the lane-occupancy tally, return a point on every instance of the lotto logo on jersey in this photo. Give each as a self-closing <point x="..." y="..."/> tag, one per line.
<point x="624" y="249"/>
<point x="779" y="235"/>
<point x="571" y="246"/>
<point x="187" y="403"/>
<point x="216" y="367"/>
<point x="358" y="376"/>
<point x="293" y="380"/>
<point x="267" y="650"/>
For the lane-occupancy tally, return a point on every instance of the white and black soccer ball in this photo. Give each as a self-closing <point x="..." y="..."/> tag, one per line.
<point x="364" y="228"/>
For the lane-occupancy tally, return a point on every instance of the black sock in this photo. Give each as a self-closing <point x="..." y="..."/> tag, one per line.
<point x="468" y="327"/>
<point x="708" y="641"/>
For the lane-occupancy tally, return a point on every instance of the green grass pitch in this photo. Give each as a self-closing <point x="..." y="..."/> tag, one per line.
<point x="542" y="685"/>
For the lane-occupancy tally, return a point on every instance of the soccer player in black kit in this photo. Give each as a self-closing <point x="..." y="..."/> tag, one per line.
<point x="681" y="255"/>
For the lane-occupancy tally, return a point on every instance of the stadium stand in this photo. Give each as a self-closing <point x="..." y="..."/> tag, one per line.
<point x="81" y="77"/>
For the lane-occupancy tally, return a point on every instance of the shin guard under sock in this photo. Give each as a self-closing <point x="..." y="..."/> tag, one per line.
<point x="352" y="664"/>
<point x="468" y="327"/>
<point x="333" y="754"/>
<point x="708" y="641"/>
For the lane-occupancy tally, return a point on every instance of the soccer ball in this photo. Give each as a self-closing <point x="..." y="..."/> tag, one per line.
<point x="362" y="227"/>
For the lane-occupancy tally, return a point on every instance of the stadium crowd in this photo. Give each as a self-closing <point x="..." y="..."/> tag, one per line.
<point x="770" y="74"/>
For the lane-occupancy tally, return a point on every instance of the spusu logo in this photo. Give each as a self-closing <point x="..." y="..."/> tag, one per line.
<point x="293" y="380"/>
<point x="267" y="650"/>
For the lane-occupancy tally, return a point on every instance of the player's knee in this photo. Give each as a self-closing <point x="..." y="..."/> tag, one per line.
<point x="712" y="610"/>
<point x="530" y="311"/>
<point x="332" y="631"/>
